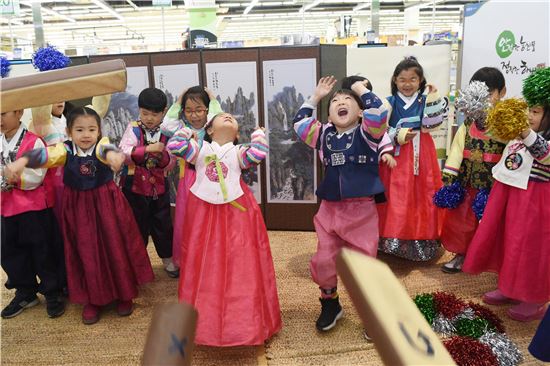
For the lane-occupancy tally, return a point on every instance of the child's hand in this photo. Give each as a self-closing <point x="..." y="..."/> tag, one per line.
<point x="525" y="133"/>
<point x="157" y="147"/>
<point x="360" y="87"/>
<point x="431" y="88"/>
<point x="324" y="86"/>
<point x="186" y="133"/>
<point x="389" y="160"/>
<point x="12" y="172"/>
<point x="410" y="135"/>
<point x="115" y="160"/>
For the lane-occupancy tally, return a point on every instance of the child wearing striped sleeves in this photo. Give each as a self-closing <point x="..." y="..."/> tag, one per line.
<point x="227" y="269"/>
<point x="347" y="216"/>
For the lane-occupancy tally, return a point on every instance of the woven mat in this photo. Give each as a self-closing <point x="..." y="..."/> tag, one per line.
<point x="33" y="338"/>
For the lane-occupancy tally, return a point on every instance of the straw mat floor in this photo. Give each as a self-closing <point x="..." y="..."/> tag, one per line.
<point x="32" y="338"/>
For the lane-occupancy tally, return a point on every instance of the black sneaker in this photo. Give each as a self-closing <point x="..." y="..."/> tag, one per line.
<point x="18" y="304"/>
<point x="55" y="306"/>
<point x="331" y="311"/>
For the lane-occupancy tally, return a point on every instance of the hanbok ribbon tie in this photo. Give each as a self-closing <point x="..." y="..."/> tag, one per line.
<point x="221" y="179"/>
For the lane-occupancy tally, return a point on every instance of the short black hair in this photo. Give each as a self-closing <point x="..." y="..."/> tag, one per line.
<point x="491" y="76"/>
<point x="409" y="62"/>
<point x="152" y="99"/>
<point x="348" y="81"/>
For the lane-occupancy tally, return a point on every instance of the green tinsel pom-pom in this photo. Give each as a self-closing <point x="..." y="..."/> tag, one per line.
<point x="474" y="328"/>
<point x="536" y="88"/>
<point x="426" y="305"/>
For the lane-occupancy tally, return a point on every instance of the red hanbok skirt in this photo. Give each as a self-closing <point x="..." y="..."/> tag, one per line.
<point x="513" y="240"/>
<point x="460" y="224"/>
<point x="104" y="253"/>
<point x="227" y="273"/>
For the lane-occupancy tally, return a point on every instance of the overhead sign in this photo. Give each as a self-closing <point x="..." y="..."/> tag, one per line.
<point x="9" y="8"/>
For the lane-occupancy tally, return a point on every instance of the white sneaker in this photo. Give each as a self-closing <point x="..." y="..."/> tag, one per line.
<point x="171" y="269"/>
<point x="454" y="265"/>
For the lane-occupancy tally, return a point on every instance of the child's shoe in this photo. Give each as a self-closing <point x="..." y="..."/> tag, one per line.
<point x="170" y="268"/>
<point x="526" y="312"/>
<point x="125" y="308"/>
<point x="55" y="306"/>
<point x="18" y="304"/>
<point x="90" y="314"/>
<point x="454" y="265"/>
<point x="331" y="312"/>
<point x="497" y="298"/>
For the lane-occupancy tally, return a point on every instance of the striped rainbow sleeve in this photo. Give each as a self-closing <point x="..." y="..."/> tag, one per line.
<point x="254" y="152"/>
<point x="308" y="130"/>
<point x="103" y="147"/>
<point x="42" y="157"/>
<point x="375" y="122"/>
<point x="183" y="145"/>
<point x="434" y="111"/>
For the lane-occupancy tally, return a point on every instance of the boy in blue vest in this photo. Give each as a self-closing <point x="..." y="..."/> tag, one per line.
<point x="348" y="146"/>
<point x="145" y="185"/>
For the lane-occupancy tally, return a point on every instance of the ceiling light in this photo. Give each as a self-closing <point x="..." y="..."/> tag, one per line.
<point x="250" y="6"/>
<point x="309" y="6"/>
<point x="106" y="7"/>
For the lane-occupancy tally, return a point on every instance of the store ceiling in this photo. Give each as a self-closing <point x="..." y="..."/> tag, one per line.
<point x="121" y="23"/>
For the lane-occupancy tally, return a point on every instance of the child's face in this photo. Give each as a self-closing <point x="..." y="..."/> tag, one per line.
<point x="407" y="82"/>
<point x="344" y="112"/>
<point x="195" y="112"/>
<point x="10" y="121"/>
<point x="224" y="124"/>
<point x="535" y="117"/>
<point x="57" y="109"/>
<point x="84" y="132"/>
<point x="149" y="118"/>
<point x="497" y="95"/>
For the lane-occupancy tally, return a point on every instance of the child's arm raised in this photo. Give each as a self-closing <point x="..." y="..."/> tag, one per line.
<point x="254" y="152"/>
<point x="537" y="146"/>
<point x="434" y="111"/>
<point x="183" y="145"/>
<point x="171" y="122"/>
<point x="308" y="128"/>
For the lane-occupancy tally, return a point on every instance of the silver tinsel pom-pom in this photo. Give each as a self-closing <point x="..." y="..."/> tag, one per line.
<point x="443" y="326"/>
<point x="468" y="313"/>
<point x="474" y="102"/>
<point x="506" y="351"/>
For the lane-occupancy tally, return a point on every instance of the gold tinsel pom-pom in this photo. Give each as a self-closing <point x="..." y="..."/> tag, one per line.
<point x="507" y="119"/>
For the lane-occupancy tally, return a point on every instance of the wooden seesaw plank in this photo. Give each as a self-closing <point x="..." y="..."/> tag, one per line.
<point x="400" y="333"/>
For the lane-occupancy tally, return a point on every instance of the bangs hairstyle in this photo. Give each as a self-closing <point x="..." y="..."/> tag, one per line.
<point x="492" y="77"/>
<point x="196" y="94"/>
<point x="344" y="92"/>
<point x="409" y="62"/>
<point x="81" y="112"/>
<point x="153" y="100"/>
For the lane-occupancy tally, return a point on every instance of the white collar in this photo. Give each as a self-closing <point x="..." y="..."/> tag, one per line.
<point x="77" y="151"/>
<point x="9" y="146"/>
<point x="408" y="100"/>
<point x="347" y="132"/>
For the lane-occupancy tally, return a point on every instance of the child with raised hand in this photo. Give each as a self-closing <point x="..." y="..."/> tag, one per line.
<point x="513" y="239"/>
<point x="192" y="110"/>
<point x="472" y="156"/>
<point x="385" y="148"/>
<point x="28" y="225"/>
<point x="145" y="185"/>
<point x="409" y="221"/>
<point x="347" y="216"/>
<point x="227" y="269"/>
<point x="104" y="252"/>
